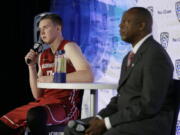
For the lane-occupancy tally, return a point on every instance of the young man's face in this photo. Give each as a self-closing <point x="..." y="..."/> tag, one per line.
<point x="48" y="31"/>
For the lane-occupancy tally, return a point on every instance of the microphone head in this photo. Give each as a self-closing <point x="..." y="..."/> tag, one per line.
<point x="38" y="47"/>
<point x="71" y="124"/>
<point x="80" y="128"/>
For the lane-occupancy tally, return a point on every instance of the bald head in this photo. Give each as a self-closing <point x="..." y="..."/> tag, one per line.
<point x="142" y="15"/>
<point x="136" y="23"/>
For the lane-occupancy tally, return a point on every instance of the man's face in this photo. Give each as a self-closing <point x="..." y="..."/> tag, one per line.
<point x="48" y="31"/>
<point x="128" y="27"/>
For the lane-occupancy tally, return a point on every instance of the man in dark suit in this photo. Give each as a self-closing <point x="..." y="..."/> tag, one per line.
<point x="144" y="103"/>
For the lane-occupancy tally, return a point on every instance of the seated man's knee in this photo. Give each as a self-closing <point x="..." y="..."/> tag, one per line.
<point x="37" y="115"/>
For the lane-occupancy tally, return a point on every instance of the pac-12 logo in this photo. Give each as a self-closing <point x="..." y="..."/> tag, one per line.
<point x="177" y="6"/>
<point x="151" y="9"/>
<point x="177" y="66"/>
<point x="164" y="39"/>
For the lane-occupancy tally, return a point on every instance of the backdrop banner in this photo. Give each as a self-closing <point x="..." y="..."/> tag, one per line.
<point x="94" y="25"/>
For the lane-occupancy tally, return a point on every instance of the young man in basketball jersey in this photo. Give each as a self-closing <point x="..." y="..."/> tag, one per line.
<point x="51" y="106"/>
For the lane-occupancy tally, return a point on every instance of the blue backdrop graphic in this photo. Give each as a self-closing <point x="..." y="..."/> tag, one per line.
<point x="94" y="26"/>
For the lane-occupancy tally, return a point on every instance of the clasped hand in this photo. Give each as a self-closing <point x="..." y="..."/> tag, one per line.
<point x="96" y="127"/>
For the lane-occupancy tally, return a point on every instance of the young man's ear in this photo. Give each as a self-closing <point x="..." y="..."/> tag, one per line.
<point x="59" y="28"/>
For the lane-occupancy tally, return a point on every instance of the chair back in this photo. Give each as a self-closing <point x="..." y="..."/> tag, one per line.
<point x="176" y="87"/>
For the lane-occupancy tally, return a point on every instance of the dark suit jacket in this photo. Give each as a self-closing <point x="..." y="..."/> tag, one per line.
<point x="144" y="104"/>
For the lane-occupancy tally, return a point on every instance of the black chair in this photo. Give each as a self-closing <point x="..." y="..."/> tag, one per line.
<point x="58" y="129"/>
<point x="176" y="87"/>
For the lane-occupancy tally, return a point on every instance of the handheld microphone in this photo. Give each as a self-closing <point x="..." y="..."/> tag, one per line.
<point x="78" y="125"/>
<point x="37" y="48"/>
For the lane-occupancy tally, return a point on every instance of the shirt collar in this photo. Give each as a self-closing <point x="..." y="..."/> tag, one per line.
<point x="138" y="44"/>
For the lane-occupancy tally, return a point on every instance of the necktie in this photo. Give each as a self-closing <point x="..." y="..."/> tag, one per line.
<point x="130" y="59"/>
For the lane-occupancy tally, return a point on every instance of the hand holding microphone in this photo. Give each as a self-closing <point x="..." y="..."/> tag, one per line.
<point x="78" y="125"/>
<point x="37" y="48"/>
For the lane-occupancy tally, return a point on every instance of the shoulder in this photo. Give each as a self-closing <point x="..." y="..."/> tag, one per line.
<point x="152" y="47"/>
<point x="70" y="43"/>
<point x="156" y="54"/>
<point x="71" y="46"/>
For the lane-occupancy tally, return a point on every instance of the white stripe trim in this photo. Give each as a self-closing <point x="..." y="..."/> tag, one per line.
<point x="11" y="121"/>
<point x="53" y="116"/>
<point x="73" y="110"/>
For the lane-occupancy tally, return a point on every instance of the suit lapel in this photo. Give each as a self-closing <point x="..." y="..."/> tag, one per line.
<point x="127" y="73"/>
<point x="137" y="58"/>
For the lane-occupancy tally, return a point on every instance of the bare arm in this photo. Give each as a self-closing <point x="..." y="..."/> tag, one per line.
<point x="83" y="71"/>
<point x="33" y="75"/>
